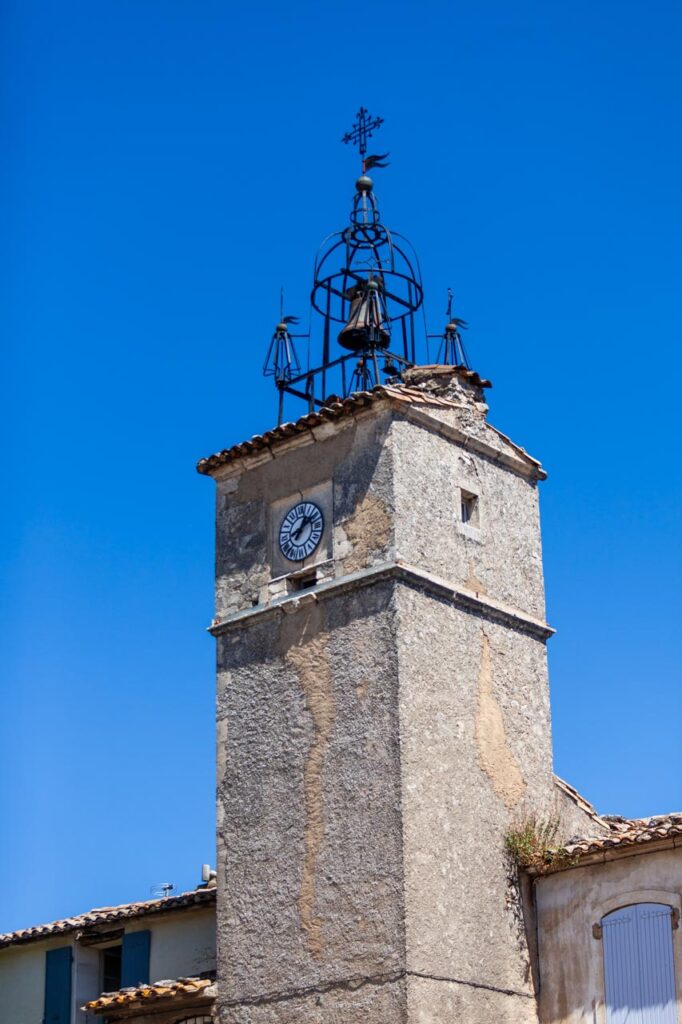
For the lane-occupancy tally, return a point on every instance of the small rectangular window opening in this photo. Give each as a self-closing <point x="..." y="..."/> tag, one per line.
<point x="469" y="508"/>
<point x="111" y="968"/>
<point x="302" y="582"/>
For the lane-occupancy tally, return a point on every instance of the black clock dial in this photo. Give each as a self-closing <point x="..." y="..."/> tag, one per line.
<point x="301" y="531"/>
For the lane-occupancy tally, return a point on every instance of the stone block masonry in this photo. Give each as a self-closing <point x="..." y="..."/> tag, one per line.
<point x="380" y="729"/>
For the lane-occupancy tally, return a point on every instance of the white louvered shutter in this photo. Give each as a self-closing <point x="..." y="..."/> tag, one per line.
<point x="638" y="965"/>
<point x="620" y="967"/>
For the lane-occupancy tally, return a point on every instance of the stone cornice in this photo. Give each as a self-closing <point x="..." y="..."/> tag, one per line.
<point x="517" y="460"/>
<point x="468" y="600"/>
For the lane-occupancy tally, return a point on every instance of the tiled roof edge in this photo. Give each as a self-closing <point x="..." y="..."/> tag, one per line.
<point x="260" y="442"/>
<point x="580" y="801"/>
<point x="110" y="915"/>
<point x="628" y="833"/>
<point x="158" y="990"/>
<point x="625" y="837"/>
<point x="542" y="473"/>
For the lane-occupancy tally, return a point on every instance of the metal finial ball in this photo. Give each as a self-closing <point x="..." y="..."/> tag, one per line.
<point x="373" y="286"/>
<point x="364" y="183"/>
<point x="282" y="328"/>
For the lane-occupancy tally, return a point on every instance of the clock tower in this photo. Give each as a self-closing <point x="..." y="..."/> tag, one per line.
<point x="383" y="710"/>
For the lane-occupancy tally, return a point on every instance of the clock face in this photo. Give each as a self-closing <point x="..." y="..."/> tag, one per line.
<point x="301" y="531"/>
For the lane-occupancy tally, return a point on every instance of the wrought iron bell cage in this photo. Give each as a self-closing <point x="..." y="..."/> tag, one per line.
<point x="367" y="289"/>
<point x="367" y="281"/>
<point x="369" y="254"/>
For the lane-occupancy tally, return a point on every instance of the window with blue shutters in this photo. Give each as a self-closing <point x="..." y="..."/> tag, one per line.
<point x="58" y="985"/>
<point x="639" y="974"/>
<point x="135" y="959"/>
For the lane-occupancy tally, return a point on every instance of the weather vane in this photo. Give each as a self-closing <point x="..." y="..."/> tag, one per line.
<point x="451" y="351"/>
<point x="282" y="361"/>
<point x="362" y="130"/>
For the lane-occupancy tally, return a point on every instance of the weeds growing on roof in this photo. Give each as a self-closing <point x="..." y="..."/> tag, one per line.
<point x="533" y="843"/>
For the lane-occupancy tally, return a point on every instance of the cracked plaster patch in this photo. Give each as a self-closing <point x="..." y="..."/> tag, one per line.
<point x="472" y="581"/>
<point x="368" y="531"/>
<point x="495" y="755"/>
<point x="308" y="657"/>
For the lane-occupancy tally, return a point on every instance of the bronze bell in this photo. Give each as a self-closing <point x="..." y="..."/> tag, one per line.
<point x="364" y="328"/>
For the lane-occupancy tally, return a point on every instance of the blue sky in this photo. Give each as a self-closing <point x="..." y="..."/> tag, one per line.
<point x="167" y="167"/>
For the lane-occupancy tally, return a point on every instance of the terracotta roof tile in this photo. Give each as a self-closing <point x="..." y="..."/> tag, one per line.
<point x="335" y="410"/>
<point x="106" y="915"/>
<point x="627" y="832"/>
<point x="160" y="990"/>
<point x="580" y="801"/>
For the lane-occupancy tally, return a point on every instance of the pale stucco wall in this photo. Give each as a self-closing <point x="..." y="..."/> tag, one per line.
<point x="569" y="903"/>
<point x="22" y="982"/>
<point x="182" y="944"/>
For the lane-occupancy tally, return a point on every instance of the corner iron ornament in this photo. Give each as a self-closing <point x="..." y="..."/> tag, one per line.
<point x="367" y="280"/>
<point x="451" y="350"/>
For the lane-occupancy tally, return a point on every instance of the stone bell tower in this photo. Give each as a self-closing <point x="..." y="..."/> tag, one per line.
<point x="383" y="707"/>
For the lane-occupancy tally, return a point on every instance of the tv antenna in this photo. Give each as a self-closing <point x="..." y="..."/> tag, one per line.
<point x="162" y="890"/>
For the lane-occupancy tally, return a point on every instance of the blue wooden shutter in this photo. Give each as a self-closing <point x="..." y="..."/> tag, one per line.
<point x="638" y="965"/>
<point x="135" y="959"/>
<point x="58" y="985"/>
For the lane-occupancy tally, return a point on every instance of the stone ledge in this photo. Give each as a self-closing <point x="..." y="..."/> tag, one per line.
<point x="468" y="600"/>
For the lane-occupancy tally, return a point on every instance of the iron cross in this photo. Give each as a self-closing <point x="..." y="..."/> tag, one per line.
<point x="362" y="130"/>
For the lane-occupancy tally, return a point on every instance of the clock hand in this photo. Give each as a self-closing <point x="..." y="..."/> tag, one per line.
<point x="299" y="531"/>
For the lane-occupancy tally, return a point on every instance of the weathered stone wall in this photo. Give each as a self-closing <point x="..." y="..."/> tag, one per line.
<point x="310" y="884"/>
<point x="570" y="903"/>
<point x="357" y="463"/>
<point x="376" y="737"/>
<point x="577" y="818"/>
<point x="501" y="554"/>
<point x="476" y="754"/>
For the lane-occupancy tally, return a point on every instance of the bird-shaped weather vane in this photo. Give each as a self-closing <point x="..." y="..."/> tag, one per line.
<point x="282" y="361"/>
<point x="362" y="130"/>
<point x="451" y="351"/>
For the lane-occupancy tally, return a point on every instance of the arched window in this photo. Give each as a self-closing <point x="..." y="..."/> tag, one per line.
<point x="639" y="975"/>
